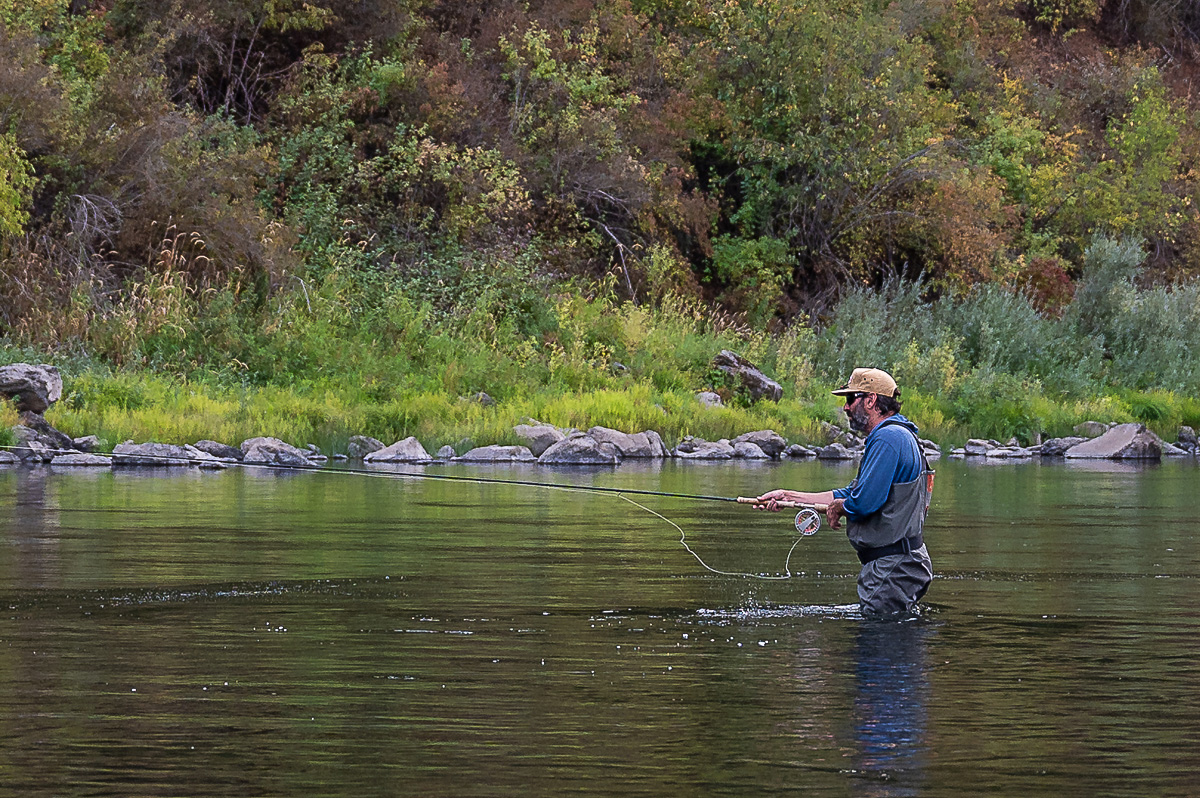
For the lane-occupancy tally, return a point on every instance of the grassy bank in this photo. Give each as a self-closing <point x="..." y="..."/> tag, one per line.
<point x="332" y="359"/>
<point x="145" y="407"/>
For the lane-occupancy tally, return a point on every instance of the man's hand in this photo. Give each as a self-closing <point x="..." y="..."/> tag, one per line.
<point x="834" y="513"/>
<point x="767" y="501"/>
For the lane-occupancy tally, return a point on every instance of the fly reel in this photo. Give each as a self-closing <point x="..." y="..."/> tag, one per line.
<point x="808" y="521"/>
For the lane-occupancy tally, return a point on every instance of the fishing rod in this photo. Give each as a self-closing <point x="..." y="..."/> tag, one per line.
<point x="750" y="500"/>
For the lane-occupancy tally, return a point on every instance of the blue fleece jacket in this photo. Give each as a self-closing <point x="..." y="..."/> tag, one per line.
<point x="891" y="455"/>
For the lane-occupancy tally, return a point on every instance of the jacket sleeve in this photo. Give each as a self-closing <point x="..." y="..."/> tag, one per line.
<point x="868" y="493"/>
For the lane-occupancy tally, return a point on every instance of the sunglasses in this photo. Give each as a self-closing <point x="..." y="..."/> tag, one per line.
<point x="853" y="397"/>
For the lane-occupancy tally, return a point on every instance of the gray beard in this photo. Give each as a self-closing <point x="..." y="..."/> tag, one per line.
<point x="858" y="418"/>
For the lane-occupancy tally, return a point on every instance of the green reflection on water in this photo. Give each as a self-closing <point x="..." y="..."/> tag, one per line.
<point x="251" y="632"/>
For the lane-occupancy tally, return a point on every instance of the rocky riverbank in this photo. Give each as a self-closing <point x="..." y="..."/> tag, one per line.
<point x="34" y="388"/>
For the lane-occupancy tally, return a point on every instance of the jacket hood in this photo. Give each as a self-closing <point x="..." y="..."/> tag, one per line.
<point x="901" y="421"/>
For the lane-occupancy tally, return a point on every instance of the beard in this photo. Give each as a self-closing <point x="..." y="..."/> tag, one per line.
<point x="858" y="418"/>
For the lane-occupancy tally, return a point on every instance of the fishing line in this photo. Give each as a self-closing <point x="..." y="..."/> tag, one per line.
<point x="787" y="571"/>
<point x="807" y="520"/>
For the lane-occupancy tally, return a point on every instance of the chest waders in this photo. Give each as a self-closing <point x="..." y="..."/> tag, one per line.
<point x="896" y="569"/>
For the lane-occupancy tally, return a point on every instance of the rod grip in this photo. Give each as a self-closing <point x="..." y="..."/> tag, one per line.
<point x="782" y="503"/>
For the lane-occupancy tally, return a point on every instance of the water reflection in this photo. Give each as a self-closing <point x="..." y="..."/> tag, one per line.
<point x="891" y="706"/>
<point x="250" y="633"/>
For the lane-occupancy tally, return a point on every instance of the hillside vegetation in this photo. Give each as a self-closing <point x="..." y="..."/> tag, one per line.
<point x="319" y="218"/>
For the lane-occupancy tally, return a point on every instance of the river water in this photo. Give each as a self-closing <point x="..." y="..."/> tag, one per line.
<point x="256" y="632"/>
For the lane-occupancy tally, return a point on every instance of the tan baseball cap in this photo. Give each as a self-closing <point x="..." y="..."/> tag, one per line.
<point x="869" y="381"/>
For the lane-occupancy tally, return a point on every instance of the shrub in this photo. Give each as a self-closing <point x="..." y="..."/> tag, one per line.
<point x="1000" y="406"/>
<point x="16" y="187"/>
<point x="752" y="273"/>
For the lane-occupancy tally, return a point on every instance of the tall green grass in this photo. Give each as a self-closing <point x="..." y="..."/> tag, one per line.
<point x="339" y="356"/>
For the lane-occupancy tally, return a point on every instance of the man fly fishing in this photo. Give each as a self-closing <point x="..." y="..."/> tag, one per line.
<point x="886" y="503"/>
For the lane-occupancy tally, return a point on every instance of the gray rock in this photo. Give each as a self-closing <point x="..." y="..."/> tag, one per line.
<point x="34" y="427"/>
<point x="709" y="399"/>
<point x="1091" y="429"/>
<point x="1057" y="447"/>
<point x="446" y="453"/>
<point x="481" y="398"/>
<point x="221" y="451"/>
<point x="359" y="446"/>
<point x="162" y="454"/>
<point x="747" y="375"/>
<point x="581" y="449"/>
<point x="498" y="454"/>
<point x="88" y="443"/>
<point x="770" y="442"/>
<point x="831" y="432"/>
<point x="30" y="450"/>
<point x="700" y="449"/>
<point x="272" y="451"/>
<point x="1171" y="450"/>
<point x="746" y="450"/>
<point x="82" y="459"/>
<point x="1187" y="435"/>
<point x="978" y="447"/>
<point x="1008" y="453"/>
<point x="637" y="445"/>
<point x="408" y="450"/>
<point x="538" y="437"/>
<point x="1122" y="442"/>
<point x="8" y="458"/>
<point x="797" y="451"/>
<point x="32" y="388"/>
<point x="835" y="451"/>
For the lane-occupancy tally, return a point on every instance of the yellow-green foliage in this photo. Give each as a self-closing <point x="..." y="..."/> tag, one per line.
<point x="9" y="418"/>
<point x="933" y="370"/>
<point x="16" y="186"/>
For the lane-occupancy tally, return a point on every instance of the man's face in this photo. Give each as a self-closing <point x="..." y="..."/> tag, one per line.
<point x="856" y="411"/>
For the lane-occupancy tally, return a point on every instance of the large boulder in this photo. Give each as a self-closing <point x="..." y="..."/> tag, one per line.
<point x="359" y="446"/>
<point x="581" y="449"/>
<point x="746" y="450"/>
<point x="408" y="450"/>
<point x="86" y="443"/>
<point x="835" y="451"/>
<point x="497" y="454"/>
<point x="32" y="388"/>
<point x="1057" y="447"/>
<point x="82" y="459"/>
<point x="979" y="447"/>
<point x="538" y="437"/>
<point x="1122" y="442"/>
<point x="162" y="454"/>
<point x="700" y="449"/>
<point x="36" y="429"/>
<point x="221" y="451"/>
<point x="770" y="442"/>
<point x="272" y="451"/>
<point x="1091" y="429"/>
<point x="747" y="375"/>
<point x="637" y="444"/>
<point x="30" y="449"/>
